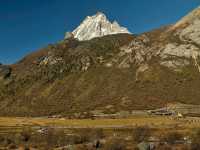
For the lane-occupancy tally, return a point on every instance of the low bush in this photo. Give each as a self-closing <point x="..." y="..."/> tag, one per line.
<point x="195" y="146"/>
<point x="26" y="135"/>
<point x="55" y="137"/>
<point x="12" y="146"/>
<point x="195" y="139"/>
<point x="8" y="141"/>
<point x="141" y="134"/>
<point x="115" y="144"/>
<point x="90" y="135"/>
<point x="172" y="138"/>
<point x="85" y="135"/>
<point x="164" y="147"/>
<point x="97" y="134"/>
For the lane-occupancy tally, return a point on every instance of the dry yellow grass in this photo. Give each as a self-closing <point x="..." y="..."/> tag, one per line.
<point x="159" y="122"/>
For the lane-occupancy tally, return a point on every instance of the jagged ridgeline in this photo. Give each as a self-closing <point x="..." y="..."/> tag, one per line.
<point x="93" y="70"/>
<point x="96" y="26"/>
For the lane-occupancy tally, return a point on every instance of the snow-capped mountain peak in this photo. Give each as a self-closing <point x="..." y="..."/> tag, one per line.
<point x="97" y="26"/>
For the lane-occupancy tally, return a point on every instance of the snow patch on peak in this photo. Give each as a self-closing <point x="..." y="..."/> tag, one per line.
<point x="97" y="26"/>
<point x="100" y="14"/>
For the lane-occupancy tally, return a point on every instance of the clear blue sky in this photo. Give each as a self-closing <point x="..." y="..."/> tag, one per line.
<point x="26" y="25"/>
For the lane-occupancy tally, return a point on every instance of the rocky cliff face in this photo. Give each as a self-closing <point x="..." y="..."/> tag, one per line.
<point x="108" y="74"/>
<point x="177" y="47"/>
<point x="187" y="44"/>
<point x="97" y="26"/>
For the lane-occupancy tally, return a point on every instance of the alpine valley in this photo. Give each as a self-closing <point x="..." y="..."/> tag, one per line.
<point x="102" y="67"/>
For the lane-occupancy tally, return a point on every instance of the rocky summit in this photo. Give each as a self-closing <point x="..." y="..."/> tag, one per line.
<point x="96" y="26"/>
<point x="100" y="67"/>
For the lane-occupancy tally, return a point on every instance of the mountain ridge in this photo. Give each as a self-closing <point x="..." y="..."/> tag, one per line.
<point x="108" y="74"/>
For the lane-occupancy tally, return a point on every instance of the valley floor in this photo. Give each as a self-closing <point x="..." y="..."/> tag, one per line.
<point x="152" y="121"/>
<point x="61" y="132"/>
